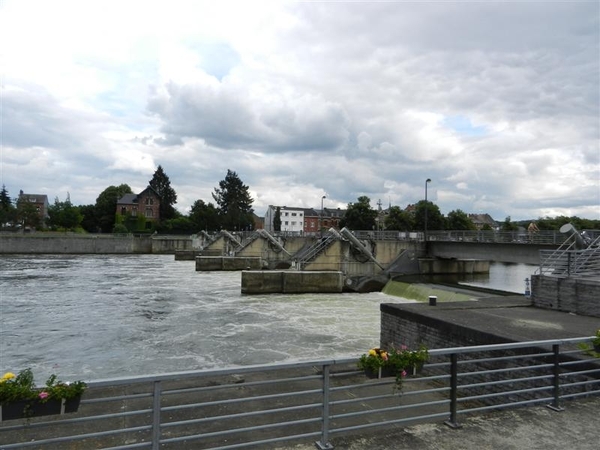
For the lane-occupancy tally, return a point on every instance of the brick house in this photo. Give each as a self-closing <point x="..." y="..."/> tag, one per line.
<point x="145" y="204"/>
<point x="39" y="202"/>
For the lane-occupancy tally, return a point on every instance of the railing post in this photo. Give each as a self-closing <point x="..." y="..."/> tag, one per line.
<point x="324" y="444"/>
<point x="451" y="422"/>
<point x="156" y="416"/>
<point x="555" y="406"/>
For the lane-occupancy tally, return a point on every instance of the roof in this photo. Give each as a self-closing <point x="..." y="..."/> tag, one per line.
<point x="37" y="198"/>
<point x="129" y="199"/>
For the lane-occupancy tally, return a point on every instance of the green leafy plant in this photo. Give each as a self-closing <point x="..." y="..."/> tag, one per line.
<point x="398" y="362"/>
<point x="22" y="387"/>
<point x="594" y="349"/>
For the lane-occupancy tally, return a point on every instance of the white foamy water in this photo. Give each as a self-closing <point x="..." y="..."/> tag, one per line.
<point x="93" y="317"/>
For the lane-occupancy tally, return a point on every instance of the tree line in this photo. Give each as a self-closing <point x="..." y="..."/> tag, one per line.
<point x="232" y="210"/>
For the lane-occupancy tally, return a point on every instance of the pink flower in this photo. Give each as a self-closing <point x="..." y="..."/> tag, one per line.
<point x="403" y="347"/>
<point x="43" y="395"/>
<point x="403" y="373"/>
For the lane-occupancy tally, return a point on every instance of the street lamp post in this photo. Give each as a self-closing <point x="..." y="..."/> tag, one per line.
<point x="321" y="216"/>
<point x="426" y="182"/>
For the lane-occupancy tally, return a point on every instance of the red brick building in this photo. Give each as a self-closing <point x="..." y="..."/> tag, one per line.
<point x="146" y="203"/>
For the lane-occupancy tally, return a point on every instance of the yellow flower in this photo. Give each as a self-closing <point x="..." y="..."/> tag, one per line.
<point x="8" y="376"/>
<point x="372" y="352"/>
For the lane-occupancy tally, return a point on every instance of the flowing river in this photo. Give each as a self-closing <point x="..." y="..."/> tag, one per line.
<point x="94" y="317"/>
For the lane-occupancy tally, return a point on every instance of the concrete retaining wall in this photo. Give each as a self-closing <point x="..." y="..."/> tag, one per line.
<point x="430" y="266"/>
<point x="74" y="244"/>
<point x="501" y="252"/>
<point x="228" y="263"/>
<point x="575" y="295"/>
<point x="290" y="282"/>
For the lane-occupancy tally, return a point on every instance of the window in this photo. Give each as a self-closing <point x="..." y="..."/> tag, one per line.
<point x="149" y="201"/>
<point x="286" y="222"/>
<point x="134" y="211"/>
<point x="286" y="214"/>
<point x="294" y="223"/>
<point x="149" y="212"/>
<point x="293" y="214"/>
<point x="123" y="210"/>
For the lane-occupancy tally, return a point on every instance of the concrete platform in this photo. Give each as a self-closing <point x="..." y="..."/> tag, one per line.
<point x="507" y="318"/>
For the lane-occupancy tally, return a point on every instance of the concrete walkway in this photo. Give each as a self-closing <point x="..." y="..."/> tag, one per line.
<point x="529" y="428"/>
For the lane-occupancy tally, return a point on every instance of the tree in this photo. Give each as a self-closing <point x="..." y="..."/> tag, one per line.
<point x="398" y="219"/>
<point x="435" y="219"/>
<point x="204" y="217"/>
<point x="28" y="214"/>
<point x="234" y="202"/>
<point x="89" y="222"/>
<point x="359" y="215"/>
<point x="277" y="219"/>
<point x="459" y="220"/>
<point x="106" y="206"/>
<point x="64" y="216"/>
<point x="168" y="197"/>
<point x="508" y="225"/>
<point x="7" y="210"/>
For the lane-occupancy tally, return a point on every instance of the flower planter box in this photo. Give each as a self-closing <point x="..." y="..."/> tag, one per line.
<point x="24" y="409"/>
<point x="383" y="372"/>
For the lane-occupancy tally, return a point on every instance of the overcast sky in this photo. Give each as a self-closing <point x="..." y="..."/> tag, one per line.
<point x="497" y="103"/>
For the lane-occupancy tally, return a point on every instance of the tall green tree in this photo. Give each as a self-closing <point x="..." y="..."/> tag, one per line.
<point x="89" y="222"/>
<point x="106" y="206"/>
<point x="399" y="219"/>
<point x="204" y="217"/>
<point x="509" y="225"/>
<point x="359" y="215"/>
<point x="7" y="210"/>
<point x="459" y="220"/>
<point x="28" y="214"/>
<point x="234" y="202"/>
<point x="277" y="219"/>
<point x="64" y="216"/>
<point x="168" y="197"/>
<point x="435" y="219"/>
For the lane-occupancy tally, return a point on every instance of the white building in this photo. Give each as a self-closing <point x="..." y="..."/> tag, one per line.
<point x="292" y="219"/>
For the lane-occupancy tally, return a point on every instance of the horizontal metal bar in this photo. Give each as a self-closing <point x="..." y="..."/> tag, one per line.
<point x="176" y="376"/>
<point x="240" y="415"/>
<point x="77" y="437"/>
<point x="268" y="441"/>
<point x="506" y="370"/>
<point x="388" y="422"/>
<point x="238" y="430"/>
<point x="506" y="405"/>
<point x="509" y="381"/>
<point x="76" y="420"/>
<point x="238" y="384"/>
<point x="241" y="400"/>
<point x="503" y="393"/>
<point x="389" y="409"/>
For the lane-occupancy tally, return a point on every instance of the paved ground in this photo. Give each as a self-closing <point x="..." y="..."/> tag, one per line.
<point x="531" y="428"/>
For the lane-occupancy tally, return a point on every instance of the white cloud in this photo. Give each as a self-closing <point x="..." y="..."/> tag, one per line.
<point x="497" y="103"/>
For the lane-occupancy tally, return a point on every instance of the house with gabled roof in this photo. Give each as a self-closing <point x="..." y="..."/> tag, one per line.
<point x="145" y="205"/>
<point x="39" y="202"/>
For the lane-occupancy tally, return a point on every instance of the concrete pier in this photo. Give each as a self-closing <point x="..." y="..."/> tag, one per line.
<point x="207" y="263"/>
<point x="291" y="282"/>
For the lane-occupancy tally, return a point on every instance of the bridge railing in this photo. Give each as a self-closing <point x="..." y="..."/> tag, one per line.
<point x="265" y="405"/>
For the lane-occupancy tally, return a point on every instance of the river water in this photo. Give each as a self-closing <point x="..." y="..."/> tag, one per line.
<point x="95" y="317"/>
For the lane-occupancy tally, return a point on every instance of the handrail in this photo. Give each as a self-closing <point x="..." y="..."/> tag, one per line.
<point x="241" y="407"/>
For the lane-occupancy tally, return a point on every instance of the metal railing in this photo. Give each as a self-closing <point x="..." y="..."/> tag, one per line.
<point x="267" y="405"/>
